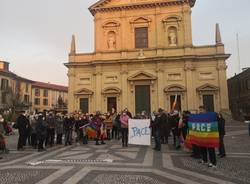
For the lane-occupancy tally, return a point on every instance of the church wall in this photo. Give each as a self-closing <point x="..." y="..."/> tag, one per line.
<point x="115" y="60"/>
<point x="154" y="18"/>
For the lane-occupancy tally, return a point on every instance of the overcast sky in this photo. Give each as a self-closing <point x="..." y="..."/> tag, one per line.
<point x="35" y="34"/>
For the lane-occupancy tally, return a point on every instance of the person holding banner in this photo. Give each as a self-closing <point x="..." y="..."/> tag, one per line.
<point x="124" y="127"/>
<point x="204" y="130"/>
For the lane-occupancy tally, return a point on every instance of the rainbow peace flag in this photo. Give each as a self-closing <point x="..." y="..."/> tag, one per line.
<point x="91" y="130"/>
<point x="203" y="130"/>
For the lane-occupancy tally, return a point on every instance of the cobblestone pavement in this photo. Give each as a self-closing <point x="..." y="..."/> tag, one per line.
<point x="112" y="164"/>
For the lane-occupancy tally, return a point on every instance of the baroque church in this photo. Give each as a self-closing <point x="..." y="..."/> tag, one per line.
<point x="144" y="57"/>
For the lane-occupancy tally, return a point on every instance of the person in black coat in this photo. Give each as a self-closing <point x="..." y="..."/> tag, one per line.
<point x="68" y="126"/>
<point x="41" y="130"/>
<point x="156" y="125"/>
<point x="51" y="121"/>
<point x="22" y="126"/>
<point x="222" y="133"/>
<point x="164" y="126"/>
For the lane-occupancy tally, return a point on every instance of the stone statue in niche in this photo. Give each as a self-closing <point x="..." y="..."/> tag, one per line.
<point x="111" y="41"/>
<point x="172" y="38"/>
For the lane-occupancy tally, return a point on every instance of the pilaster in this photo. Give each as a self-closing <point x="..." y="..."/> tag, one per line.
<point x="189" y="68"/>
<point x="125" y="92"/>
<point x="221" y="68"/>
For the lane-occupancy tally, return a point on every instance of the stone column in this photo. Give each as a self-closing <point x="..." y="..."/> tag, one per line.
<point x="191" y="91"/>
<point x="223" y="92"/>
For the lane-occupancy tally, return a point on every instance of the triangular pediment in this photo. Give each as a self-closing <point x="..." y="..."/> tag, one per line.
<point x="208" y="87"/>
<point x="142" y="76"/>
<point x="84" y="91"/>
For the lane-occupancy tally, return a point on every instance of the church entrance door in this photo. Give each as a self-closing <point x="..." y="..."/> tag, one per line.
<point x="142" y="98"/>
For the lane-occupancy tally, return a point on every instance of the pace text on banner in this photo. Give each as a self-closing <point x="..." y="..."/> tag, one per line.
<point x="203" y="130"/>
<point x="139" y="132"/>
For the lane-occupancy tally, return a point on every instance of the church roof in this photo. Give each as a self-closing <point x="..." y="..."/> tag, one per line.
<point x="123" y="4"/>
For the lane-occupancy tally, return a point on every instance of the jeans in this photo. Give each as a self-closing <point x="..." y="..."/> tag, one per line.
<point x="157" y="140"/>
<point x="222" y="147"/>
<point x="50" y="136"/>
<point x="249" y="128"/>
<point x="21" y="140"/>
<point x="211" y="153"/>
<point x="68" y="137"/>
<point x="40" y="142"/>
<point x="124" y="136"/>
<point x="59" y="139"/>
<point x="33" y="140"/>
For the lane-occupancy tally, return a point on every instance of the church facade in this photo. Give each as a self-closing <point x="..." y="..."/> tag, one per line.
<point x="144" y="57"/>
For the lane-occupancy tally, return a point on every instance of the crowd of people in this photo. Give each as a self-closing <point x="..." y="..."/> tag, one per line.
<point x="47" y="129"/>
<point x="176" y="123"/>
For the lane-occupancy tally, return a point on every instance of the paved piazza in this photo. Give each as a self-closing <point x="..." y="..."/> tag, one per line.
<point x="112" y="164"/>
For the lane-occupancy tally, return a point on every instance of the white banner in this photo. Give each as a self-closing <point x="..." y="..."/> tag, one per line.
<point x="139" y="132"/>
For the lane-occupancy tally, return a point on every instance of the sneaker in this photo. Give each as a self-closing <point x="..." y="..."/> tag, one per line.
<point x="202" y="162"/>
<point x="210" y="165"/>
<point x="223" y="155"/>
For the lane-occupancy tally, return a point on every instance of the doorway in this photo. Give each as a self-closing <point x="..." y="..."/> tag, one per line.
<point x="84" y="105"/>
<point x="208" y="102"/>
<point x="111" y="103"/>
<point x="142" y="99"/>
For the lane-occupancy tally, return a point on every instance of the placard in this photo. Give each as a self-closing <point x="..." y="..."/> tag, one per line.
<point x="139" y="132"/>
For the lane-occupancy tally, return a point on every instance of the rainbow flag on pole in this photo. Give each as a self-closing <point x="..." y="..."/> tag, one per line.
<point x="203" y="130"/>
<point x="174" y="103"/>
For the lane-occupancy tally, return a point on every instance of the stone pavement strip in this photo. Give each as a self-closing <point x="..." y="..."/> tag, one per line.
<point x="112" y="164"/>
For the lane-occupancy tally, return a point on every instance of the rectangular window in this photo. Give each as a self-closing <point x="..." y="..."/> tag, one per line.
<point x="4" y="98"/>
<point x="26" y="99"/>
<point x="26" y="87"/>
<point x="141" y="37"/>
<point x="45" y="101"/>
<point x="4" y="84"/>
<point x="177" y="105"/>
<point x="37" y="92"/>
<point x="45" y="93"/>
<point x="37" y="101"/>
<point x="248" y="84"/>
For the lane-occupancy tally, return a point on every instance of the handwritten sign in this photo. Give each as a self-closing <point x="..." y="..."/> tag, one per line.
<point x="139" y="132"/>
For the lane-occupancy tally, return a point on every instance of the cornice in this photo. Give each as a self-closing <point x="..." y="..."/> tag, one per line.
<point x="96" y="9"/>
<point x="194" y="58"/>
